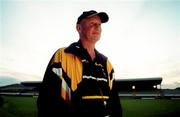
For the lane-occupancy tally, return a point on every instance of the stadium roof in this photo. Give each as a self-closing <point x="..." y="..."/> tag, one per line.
<point x="122" y="84"/>
<point x="154" y="80"/>
<point x="138" y="83"/>
<point x="31" y="83"/>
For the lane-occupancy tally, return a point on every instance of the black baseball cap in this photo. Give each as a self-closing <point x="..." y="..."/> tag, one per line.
<point x="103" y="16"/>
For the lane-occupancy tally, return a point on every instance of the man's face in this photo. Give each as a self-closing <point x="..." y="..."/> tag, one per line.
<point x="91" y="28"/>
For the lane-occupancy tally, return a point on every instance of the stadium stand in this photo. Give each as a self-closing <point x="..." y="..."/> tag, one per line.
<point x="128" y="88"/>
<point x="139" y="87"/>
<point x="138" y="84"/>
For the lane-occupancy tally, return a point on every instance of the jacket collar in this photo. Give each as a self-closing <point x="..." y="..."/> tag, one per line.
<point x="77" y="49"/>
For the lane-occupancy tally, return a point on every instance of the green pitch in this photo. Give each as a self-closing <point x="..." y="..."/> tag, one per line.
<point x="14" y="106"/>
<point x="150" y="108"/>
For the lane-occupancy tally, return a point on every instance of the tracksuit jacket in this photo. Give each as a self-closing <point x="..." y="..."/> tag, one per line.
<point x="74" y="85"/>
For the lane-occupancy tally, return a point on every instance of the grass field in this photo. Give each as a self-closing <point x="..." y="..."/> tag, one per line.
<point x="26" y="107"/>
<point x="18" y="107"/>
<point x="150" y="108"/>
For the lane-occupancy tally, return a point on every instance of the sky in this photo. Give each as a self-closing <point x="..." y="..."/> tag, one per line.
<point x="141" y="38"/>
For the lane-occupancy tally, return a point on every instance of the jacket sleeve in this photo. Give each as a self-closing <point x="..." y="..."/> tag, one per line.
<point x="49" y="102"/>
<point x="115" y="104"/>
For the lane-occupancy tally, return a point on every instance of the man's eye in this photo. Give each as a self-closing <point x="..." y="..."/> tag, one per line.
<point x="93" y="24"/>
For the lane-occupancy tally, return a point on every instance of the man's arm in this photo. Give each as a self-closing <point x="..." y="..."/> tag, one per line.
<point x="49" y="102"/>
<point x="115" y="105"/>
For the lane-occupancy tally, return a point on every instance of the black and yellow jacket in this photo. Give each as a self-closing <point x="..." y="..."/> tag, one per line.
<point x="74" y="85"/>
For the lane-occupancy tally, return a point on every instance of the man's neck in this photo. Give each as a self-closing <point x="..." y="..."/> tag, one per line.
<point x="90" y="48"/>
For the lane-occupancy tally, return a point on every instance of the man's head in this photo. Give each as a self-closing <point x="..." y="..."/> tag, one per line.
<point x="89" y="25"/>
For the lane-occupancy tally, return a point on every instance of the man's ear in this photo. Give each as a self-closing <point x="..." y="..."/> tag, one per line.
<point x="78" y="27"/>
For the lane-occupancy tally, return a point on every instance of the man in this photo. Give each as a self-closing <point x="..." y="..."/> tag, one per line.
<point x="79" y="81"/>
